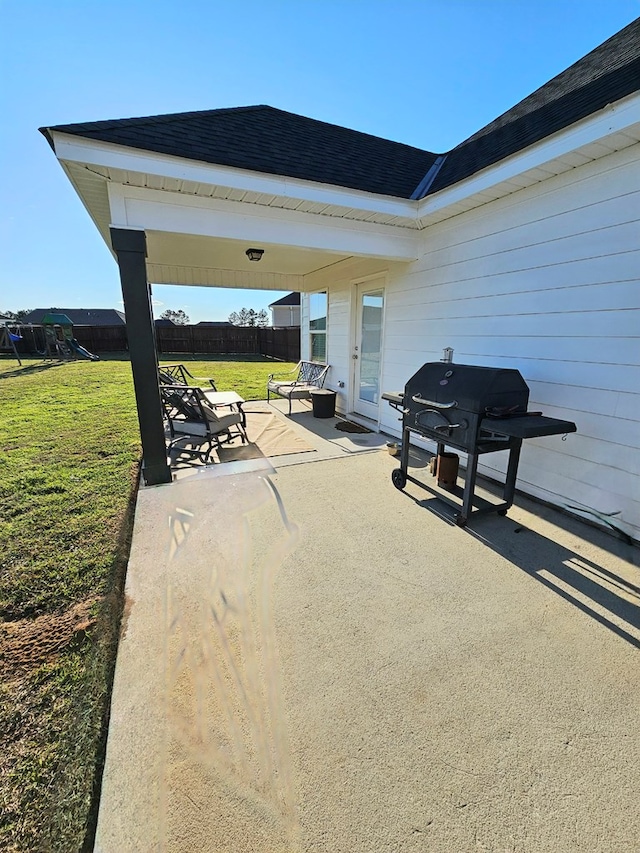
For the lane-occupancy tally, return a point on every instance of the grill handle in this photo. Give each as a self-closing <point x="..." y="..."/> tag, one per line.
<point x="418" y="399"/>
<point x="438" y="427"/>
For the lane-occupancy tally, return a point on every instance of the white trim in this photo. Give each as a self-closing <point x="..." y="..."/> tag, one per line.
<point x="117" y="205"/>
<point x="156" y="210"/>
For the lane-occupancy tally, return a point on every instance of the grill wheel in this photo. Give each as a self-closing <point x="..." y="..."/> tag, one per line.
<point x="398" y="478"/>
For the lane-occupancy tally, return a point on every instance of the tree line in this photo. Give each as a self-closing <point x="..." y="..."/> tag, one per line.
<point x="243" y="317"/>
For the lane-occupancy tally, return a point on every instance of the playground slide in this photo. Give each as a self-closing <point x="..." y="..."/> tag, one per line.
<point x="73" y="343"/>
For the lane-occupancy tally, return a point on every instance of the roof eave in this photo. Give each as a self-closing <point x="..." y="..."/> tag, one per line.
<point x="618" y="125"/>
<point x="108" y="157"/>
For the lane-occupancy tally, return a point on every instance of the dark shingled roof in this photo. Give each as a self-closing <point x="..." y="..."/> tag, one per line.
<point x="289" y="299"/>
<point x="607" y="74"/>
<point x="81" y="316"/>
<point x="265" y="139"/>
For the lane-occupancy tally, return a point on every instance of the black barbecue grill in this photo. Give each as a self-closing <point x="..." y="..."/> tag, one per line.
<point x="473" y="409"/>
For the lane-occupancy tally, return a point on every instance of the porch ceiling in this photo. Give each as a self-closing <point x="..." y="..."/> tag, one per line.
<point x="198" y="260"/>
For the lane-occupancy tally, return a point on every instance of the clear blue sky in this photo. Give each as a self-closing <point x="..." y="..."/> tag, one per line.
<point x="425" y="72"/>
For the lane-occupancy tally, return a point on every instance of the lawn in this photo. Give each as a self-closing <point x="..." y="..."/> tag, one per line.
<point x="68" y="479"/>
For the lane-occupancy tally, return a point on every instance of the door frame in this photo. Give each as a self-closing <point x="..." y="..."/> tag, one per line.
<point x="382" y="279"/>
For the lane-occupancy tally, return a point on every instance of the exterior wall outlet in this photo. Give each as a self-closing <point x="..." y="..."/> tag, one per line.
<point x="341" y="384"/>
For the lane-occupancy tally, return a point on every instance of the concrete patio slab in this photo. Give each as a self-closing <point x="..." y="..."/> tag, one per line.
<point x="312" y="660"/>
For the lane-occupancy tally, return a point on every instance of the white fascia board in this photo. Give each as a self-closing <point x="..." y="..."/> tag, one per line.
<point x="151" y="210"/>
<point x="609" y="121"/>
<point x="94" y="153"/>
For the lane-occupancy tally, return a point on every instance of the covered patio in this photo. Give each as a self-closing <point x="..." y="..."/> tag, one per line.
<point x="185" y="258"/>
<point x="169" y="219"/>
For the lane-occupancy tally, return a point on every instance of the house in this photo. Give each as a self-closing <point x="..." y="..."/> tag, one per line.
<point x="518" y="248"/>
<point x="81" y="316"/>
<point x="286" y="311"/>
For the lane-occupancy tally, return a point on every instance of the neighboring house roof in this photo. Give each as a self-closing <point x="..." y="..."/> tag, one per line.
<point x="214" y="323"/>
<point x="265" y="139"/>
<point x="81" y="316"/>
<point x="289" y="299"/>
<point x="163" y="321"/>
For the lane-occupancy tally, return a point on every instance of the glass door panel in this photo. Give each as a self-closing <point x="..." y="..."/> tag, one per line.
<point x="368" y="351"/>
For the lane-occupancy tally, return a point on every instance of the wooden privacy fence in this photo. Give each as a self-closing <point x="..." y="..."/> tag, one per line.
<point x="281" y="343"/>
<point x="213" y="340"/>
<point x="99" y="339"/>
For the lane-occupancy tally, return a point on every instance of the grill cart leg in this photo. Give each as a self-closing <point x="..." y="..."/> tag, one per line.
<point x="512" y="472"/>
<point x="469" y="487"/>
<point x="399" y="475"/>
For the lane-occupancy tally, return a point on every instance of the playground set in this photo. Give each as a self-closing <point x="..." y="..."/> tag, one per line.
<point x="52" y="339"/>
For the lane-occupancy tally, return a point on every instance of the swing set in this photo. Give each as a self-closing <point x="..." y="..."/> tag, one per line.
<point x="53" y="339"/>
<point x="12" y="332"/>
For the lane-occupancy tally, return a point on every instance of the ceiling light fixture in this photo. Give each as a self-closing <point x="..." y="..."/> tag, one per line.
<point x="254" y="254"/>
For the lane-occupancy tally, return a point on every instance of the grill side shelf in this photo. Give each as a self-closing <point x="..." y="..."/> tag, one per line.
<point x="534" y="426"/>
<point x="392" y="397"/>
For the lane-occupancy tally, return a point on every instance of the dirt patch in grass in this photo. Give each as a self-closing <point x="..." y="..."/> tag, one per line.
<point x="27" y="643"/>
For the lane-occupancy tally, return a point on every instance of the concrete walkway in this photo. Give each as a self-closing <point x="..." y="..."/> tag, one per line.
<point x="312" y="660"/>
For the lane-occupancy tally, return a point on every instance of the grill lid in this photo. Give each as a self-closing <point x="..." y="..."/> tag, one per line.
<point x="470" y="388"/>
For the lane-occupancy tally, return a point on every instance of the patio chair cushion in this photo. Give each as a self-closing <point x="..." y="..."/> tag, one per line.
<point x="295" y="390"/>
<point x="219" y="423"/>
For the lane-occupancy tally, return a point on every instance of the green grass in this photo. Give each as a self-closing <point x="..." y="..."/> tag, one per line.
<point x="69" y="462"/>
